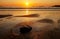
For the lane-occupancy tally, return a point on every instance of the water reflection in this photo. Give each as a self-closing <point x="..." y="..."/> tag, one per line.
<point x="27" y="11"/>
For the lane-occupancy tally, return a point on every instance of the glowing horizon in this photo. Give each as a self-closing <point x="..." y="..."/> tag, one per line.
<point x="29" y="2"/>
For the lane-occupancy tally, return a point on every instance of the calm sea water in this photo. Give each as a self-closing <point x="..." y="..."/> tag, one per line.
<point x="42" y="12"/>
<point x="9" y="22"/>
<point x="53" y="14"/>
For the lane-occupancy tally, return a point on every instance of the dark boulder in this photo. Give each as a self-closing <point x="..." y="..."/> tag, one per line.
<point x="25" y="30"/>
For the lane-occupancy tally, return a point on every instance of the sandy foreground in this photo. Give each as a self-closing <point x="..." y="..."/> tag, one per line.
<point x="9" y="28"/>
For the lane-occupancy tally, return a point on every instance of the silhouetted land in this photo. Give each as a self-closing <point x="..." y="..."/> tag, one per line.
<point x="56" y="6"/>
<point x="32" y="7"/>
<point x="22" y="8"/>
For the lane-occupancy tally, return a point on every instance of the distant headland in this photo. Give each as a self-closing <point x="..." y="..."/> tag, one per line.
<point x="56" y="6"/>
<point x="38" y="7"/>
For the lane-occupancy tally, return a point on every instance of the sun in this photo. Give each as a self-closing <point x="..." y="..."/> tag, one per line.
<point x="26" y="3"/>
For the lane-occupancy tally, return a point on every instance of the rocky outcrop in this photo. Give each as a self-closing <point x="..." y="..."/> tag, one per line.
<point x="2" y="16"/>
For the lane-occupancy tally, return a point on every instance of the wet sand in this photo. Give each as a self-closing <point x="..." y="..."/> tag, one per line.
<point x="41" y="29"/>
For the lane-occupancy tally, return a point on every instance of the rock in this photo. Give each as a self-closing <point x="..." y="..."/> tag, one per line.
<point x="25" y="30"/>
<point x="2" y="16"/>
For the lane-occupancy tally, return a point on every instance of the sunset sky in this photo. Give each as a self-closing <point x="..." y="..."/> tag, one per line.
<point x="29" y="2"/>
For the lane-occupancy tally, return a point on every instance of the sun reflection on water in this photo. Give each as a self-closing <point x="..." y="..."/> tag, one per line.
<point x="27" y="11"/>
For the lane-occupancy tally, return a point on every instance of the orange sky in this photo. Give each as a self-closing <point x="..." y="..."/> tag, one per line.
<point x="30" y="2"/>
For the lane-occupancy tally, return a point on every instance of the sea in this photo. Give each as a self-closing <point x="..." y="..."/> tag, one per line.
<point x="10" y="22"/>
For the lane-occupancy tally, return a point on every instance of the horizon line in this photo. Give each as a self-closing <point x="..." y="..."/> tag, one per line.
<point x="35" y="8"/>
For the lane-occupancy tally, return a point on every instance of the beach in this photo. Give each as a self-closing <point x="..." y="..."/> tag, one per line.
<point x="39" y="28"/>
